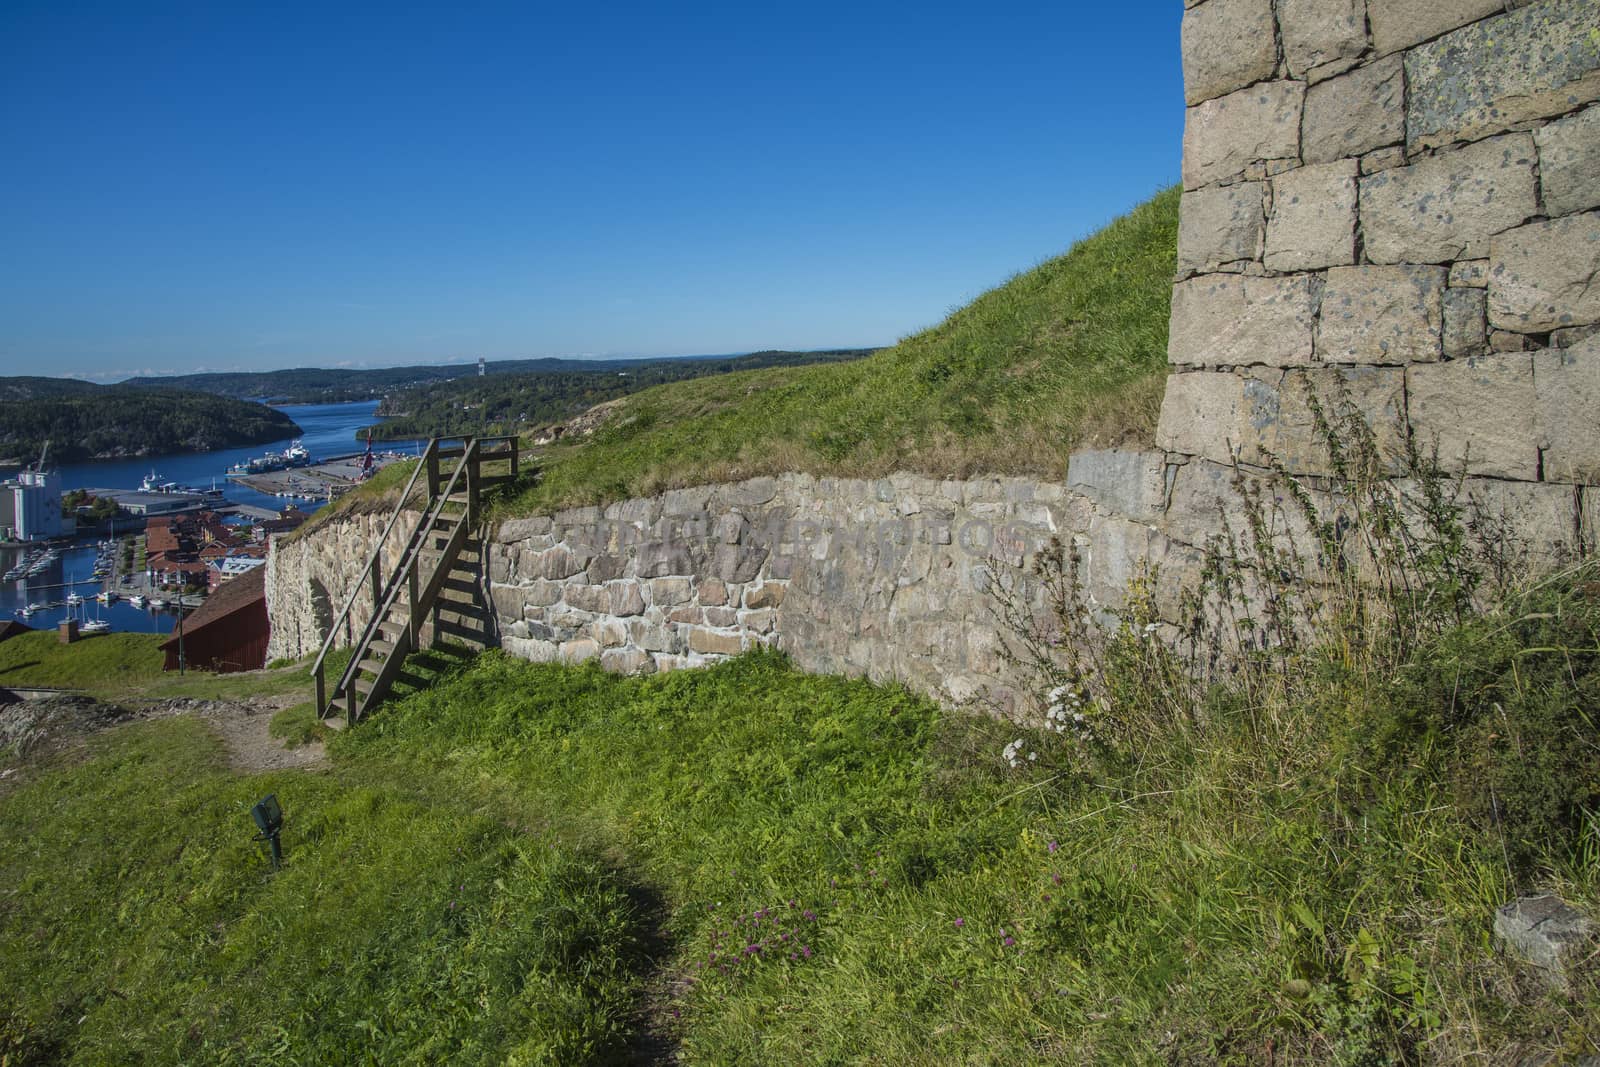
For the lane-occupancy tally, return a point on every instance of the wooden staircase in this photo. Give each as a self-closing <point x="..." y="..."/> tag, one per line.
<point x="407" y="597"/>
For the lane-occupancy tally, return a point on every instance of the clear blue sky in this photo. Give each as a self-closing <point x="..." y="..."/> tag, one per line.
<point x="248" y="186"/>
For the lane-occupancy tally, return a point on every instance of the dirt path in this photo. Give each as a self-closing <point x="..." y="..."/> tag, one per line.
<point x="242" y="725"/>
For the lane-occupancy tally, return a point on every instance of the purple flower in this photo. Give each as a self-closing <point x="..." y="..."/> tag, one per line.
<point x="1053" y="847"/>
<point x="805" y="950"/>
<point x="960" y="923"/>
<point x="809" y="916"/>
<point x="751" y="950"/>
<point x="1008" y="942"/>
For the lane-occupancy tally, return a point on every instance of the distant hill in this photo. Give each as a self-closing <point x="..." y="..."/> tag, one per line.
<point x="85" y="421"/>
<point x="317" y="385"/>
<point x="508" y="402"/>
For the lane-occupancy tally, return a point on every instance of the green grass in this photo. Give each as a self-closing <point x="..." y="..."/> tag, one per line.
<point x="1310" y="901"/>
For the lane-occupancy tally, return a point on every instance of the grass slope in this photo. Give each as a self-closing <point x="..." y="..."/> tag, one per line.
<point x="1071" y="351"/>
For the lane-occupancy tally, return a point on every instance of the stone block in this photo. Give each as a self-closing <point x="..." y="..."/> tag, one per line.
<point x="609" y="632"/>
<point x="590" y="598"/>
<point x="658" y="559"/>
<point x="1355" y="113"/>
<point x="713" y="592"/>
<point x="1265" y="417"/>
<point x="627" y="661"/>
<point x="625" y="597"/>
<point x="508" y="600"/>
<point x="585" y="516"/>
<point x="541" y="594"/>
<point x="513" y="530"/>
<point x="1232" y="320"/>
<point x="1222" y="137"/>
<point x="1469" y="273"/>
<point x="1545" y="931"/>
<point x="1383" y="159"/>
<point x="1220" y="224"/>
<point x="1392" y="314"/>
<point x="1505" y="341"/>
<point x="715" y="642"/>
<point x="1569" y="162"/>
<point x="730" y="528"/>
<point x="752" y="492"/>
<point x="738" y="563"/>
<point x="1572" y="336"/>
<point x="1127" y="483"/>
<point x="686" y="613"/>
<point x="1566" y="387"/>
<point x="1313" y="222"/>
<point x="723" y="616"/>
<point x="1322" y="37"/>
<point x="556" y="563"/>
<point x="1543" y="276"/>
<point x="1530" y="527"/>
<point x="667" y="592"/>
<point x="1528" y="64"/>
<point x="1465" y="323"/>
<point x="1447" y="207"/>
<point x="681" y="503"/>
<point x="1227" y="44"/>
<point x="580" y="650"/>
<point x="1398" y="24"/>
<point x="765" y="595"/>
<point x="760" y="621"/>
<point x="534" y="651"/>
<point x="1479" y="413"/>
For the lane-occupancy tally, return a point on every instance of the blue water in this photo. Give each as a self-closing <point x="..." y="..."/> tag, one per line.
<point x="328" y="431"/>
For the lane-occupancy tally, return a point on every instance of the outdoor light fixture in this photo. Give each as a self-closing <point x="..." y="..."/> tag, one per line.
<point x="269" y="817"/>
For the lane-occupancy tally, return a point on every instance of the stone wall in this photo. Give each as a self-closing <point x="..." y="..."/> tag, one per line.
<point x="1400" y="198"/>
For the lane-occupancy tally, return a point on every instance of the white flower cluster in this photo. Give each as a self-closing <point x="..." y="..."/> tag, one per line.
<point x="1067" y="710"/>
<point x="1013" y="753"/>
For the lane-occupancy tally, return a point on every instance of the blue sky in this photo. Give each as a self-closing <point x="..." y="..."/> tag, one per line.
<point x="248" y="186"/>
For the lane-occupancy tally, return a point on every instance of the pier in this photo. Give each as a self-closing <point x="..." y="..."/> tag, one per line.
<point x="319" y="481"/>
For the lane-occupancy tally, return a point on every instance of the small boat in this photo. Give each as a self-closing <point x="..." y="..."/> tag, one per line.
<point x="157" y="604"/>
<point x="106" y="596"/>
<point x="137" y="600"/>
<point x="95" y="626"/>
<point x="31" y="608"/>
<point x="73" y="600"/>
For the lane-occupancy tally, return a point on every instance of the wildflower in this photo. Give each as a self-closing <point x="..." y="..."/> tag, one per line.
<point x="1052" y="846"/>
<point x="805" y="950"/>
<point x="960" y="923"/>
<point x="809" y="916"/>
<point x="1008" y="942"/>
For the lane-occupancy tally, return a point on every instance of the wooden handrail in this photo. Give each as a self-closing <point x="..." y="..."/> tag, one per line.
<point x="408" y="561"/>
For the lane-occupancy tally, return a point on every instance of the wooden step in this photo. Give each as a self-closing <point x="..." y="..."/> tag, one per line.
<point x="373" y="664"/>
<point x="392" y="626"/>
<point x="363" y="687"/>
<point x="334" y="722"/>
<point x="459" y="585"/>
<point x="386" y="648"/>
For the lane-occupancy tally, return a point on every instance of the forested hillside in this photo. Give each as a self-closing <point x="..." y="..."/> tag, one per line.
<point x="83" y="421"/>
<point x="505" y="403"/>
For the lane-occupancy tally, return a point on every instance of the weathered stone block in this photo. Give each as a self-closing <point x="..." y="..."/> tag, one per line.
<point x="723" y="616"/>
<point x="731" y="528"/>
<point x="1505" y="341"/>
<point x="625" y="597"/>
<point x="738" y="563"/>
<point x="765" y="595"/>
<point x="1383" y="159"/>
<point x="556" y="563"/>
<point x="579" y="650"/>
<point x="1227" y="44"/>
<point x="1465" y="323"/>
<point x="534" y="651"/>
<point x="1479" y="412"/>
<point x="1220" y="224"/>
<point x="1381" y="315"/>
<point x="1356" y="113"/>
<point x="590" y="598"/>
<point x="1322" y="37"/>
<point x="1278" y="425"/>
<point x="513" y="530"/>
<point x="508" y="601"/>
<point x="1313" y="221"/>
<point x="1530" y="526"/>
<point x="1230" y="320"/>
<point x="758" y="621"/>
<point x="541" y="594"/>
<point x="627" y="661"/>
<point x="1398" y="24"/>
<point x="669" y="591"/>
<point x="715" y="642"/>
<point x="1447" y="207"/>
<point x="1539" y="61"/>
<point x="1569" y="162"/>
<point x="1545" y="931"/>
<point x="1572" y="336"/>
<point x="1469" y="273"/>
<point x="752" y="492"/>
<point x="1546" y="275"/>
<point x="1223" y="136"/>
<point x="1200" y="414"/>
<point x="713" y="592"/>
<point x="1126" y="483"/>
<point x="679" y="503"/>
<point x="658" y="559"/>
<point x="1566" y="386"/>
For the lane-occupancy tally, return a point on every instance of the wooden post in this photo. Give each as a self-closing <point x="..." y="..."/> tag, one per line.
<point x="322" y="693"/>
<point x="411" y="616"/>
<point x="377" y="588"/>
<point x="432" y="460"/>
<point x="513" y="457"/>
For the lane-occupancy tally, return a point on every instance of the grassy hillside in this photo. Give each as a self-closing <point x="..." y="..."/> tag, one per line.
<point x="542" y="864"/>
<point x="1069" y="352"/>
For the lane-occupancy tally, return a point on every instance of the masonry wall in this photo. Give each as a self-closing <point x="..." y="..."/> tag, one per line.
<point x="1398" y="198"/>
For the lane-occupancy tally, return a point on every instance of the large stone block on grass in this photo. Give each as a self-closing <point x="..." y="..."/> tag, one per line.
<point x="1388" y="314"/>
<point x="1569" y="162"/>
<point x="1236" y="320"/>
<point x="1566" y="386"/>
<point x="1447" y="207"/>
<point x="1313" y="222"/>
<point x="1398" y="24"/>
<point x="1227" y="44"/>
<point x="1545" y="931"/>
<point x="1539" y="61"/>
<point x="1220" y="224"/>
<point x="1546" y="275"/>
<point x="1480" y="414"/>
<point x="1222" y="137"/>
<point x="1356" y="113"/>
<point x="1322" y="37"/>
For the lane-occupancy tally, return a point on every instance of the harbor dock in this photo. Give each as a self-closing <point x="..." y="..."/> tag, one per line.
<point x="319" y="481"/>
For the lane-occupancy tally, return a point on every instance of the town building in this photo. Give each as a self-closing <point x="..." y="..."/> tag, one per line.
<point x="228" y="632"/>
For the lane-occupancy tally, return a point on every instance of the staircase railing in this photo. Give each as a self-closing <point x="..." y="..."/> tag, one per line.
<point x="406" y="574"/>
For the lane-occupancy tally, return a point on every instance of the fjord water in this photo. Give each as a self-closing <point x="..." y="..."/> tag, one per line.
<point x="329" y="430"/>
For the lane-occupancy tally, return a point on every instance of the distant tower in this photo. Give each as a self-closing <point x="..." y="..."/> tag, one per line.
<point x="480" y="366"/>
